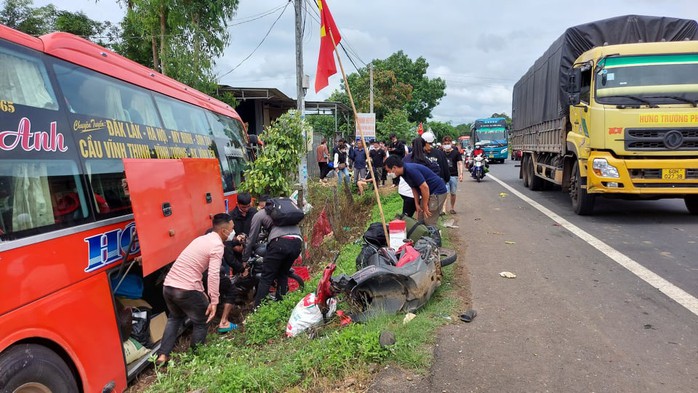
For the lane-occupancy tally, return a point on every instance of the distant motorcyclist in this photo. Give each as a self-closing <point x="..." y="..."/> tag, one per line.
<point x="476" y="152"/>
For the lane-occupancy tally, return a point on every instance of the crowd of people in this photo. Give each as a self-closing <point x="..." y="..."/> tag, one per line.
<point x="444" y="160"/>
<point x="202" y="276"/>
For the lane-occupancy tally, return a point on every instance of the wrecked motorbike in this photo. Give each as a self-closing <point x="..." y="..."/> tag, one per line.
<point x="396" y="281"/>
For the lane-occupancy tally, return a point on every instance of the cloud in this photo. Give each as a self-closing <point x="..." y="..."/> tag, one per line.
<point x="479" y="48"/>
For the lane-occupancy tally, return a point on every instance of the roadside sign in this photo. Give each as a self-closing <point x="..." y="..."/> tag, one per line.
<point x="367" y="121"/>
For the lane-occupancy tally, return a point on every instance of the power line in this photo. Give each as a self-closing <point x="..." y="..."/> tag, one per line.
<point x="260" y="43"/>
<point x="252" y="18"/>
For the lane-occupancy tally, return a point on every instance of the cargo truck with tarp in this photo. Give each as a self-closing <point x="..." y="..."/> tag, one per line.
<point x="611" y="109"/>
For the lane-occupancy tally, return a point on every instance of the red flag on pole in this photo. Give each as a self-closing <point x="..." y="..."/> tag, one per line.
<point x="328" y="31"/>
<point x="420" y="129"/>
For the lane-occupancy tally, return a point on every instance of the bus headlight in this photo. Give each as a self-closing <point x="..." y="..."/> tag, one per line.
<point x="602" y="168"/>
<point x="504" y="151"/>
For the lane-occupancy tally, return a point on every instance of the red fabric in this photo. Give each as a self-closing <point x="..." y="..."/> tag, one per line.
<point x="324" y="290"/>
<point x="409" y="255"/>
<point x="321" y="229"/>
<point x="420" y="129"/>
<point x="328" y="33"/>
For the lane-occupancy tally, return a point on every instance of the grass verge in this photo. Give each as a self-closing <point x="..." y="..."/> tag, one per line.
<point x="260" y="359"/>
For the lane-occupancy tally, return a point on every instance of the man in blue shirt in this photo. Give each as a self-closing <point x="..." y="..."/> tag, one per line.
<point x="425" y="184"/>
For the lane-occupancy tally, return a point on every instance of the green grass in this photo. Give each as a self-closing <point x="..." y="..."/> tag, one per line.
<point x="261" y="359"/>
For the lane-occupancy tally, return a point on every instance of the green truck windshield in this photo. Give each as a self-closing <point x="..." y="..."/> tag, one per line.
<point x="648" y="76"/>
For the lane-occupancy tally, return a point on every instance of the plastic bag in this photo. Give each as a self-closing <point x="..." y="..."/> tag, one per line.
<point x="140" y="328"/>
<point x="307" y="314"/>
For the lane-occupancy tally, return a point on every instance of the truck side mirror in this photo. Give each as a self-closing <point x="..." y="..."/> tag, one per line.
<point x="574" y="86"/>
<point x="574" y="83"/>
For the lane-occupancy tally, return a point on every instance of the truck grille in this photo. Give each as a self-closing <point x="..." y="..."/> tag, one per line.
<point x="661" y="139"/>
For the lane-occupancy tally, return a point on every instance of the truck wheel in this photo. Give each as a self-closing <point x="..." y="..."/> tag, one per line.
<point x="691" y="202"/>
<point x="30" y="368"/>
<point x="582" y="202"/>
<point x="535" y="183"/>
<point x="524" y="171"/>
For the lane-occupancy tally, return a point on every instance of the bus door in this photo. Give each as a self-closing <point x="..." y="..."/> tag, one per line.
<point x="171" y="206"/>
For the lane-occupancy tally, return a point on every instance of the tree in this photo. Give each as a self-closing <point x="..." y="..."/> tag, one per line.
<point x="20" y="15"/>
<point x="442" y="129"/>
<point x="396" y="122"/>
<point x="399" y="84"/>
<point x="277" y="164"/>
<point x="184" y="37"/>
<point x="426" y="93"/>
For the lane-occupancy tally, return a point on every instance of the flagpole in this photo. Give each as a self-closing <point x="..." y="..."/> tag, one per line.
<point x="363" y="139"/>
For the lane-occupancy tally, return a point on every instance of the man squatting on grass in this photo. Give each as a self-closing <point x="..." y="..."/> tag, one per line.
<point x="425" y="184"/>
<point x="184" y="289"/>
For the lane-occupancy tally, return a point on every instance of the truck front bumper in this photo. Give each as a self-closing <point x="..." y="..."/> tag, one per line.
<point x="653" y="176"/>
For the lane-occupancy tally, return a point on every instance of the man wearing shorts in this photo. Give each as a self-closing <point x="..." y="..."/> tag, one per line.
<point x="455" y="167"/>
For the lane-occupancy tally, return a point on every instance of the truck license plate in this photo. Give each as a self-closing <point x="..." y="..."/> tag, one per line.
<point x="674" y="174"/>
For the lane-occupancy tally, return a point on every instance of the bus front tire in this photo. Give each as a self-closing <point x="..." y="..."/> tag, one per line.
<point x="32" y="368"/>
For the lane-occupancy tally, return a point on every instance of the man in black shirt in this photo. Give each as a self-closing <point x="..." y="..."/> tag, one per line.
<point x="243" y="213"/>
<point x="455" y="167"/>
<point x="396" y="148"/>
<point x="378" y="156"/>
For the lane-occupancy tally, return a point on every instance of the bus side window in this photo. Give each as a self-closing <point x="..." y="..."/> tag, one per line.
<point x="106" y="178"/>
<point x="23" y="81"/>
<point x="39" y="196"/>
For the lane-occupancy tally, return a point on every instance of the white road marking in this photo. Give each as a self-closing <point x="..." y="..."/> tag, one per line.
<point x="675" y="293"/>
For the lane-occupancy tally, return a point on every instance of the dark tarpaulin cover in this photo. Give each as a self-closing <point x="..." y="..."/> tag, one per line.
<point x="540" y="93"/>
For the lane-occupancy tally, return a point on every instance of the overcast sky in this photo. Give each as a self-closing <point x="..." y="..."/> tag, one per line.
<point x="480" y="48"/>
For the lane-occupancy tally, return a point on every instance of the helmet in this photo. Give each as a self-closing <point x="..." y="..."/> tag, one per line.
<point x="428" y="137"/>
<point x="477" y="145"/>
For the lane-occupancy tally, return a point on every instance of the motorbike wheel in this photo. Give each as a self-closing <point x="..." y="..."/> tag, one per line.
<point x="447" y="256"/>
<point x="298" y="279"/>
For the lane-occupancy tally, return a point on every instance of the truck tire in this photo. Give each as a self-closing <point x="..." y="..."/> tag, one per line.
<point x="535" y="183"/>
<point x="582" y="202"/>
<point x="524" y="171"/>
<point x="35" y="368"/>
<point x="691" y="202"/>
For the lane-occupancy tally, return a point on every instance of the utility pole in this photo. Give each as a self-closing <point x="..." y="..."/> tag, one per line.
<point x="370" y="69"/>
<point x="301" y="88"/>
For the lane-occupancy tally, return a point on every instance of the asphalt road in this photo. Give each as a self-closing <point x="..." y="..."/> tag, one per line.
<point x="575" y="319"/>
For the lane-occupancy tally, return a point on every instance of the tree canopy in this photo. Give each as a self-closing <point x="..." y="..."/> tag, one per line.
<point x="399" y="83"/>
<point x="23" y="16"/>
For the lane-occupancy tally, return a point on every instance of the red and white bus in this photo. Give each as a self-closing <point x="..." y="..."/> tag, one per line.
<point x="75" y="120"/>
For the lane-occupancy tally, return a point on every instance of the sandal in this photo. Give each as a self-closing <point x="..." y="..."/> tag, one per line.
<point x="162" y="363"/>
<point x="468" y="315"/>
<point x="452" y="211"/>
<point x="231" y="326"/>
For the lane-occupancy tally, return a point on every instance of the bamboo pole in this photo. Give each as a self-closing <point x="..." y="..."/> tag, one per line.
<point x="363" y="139"/>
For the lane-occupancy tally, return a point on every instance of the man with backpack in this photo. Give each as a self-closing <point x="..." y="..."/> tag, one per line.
<point x="279" y="219"/>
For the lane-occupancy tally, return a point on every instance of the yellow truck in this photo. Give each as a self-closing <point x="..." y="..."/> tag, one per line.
<point x="611" y="109"/>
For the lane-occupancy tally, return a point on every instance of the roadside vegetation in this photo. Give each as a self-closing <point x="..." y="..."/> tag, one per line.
<point x="259" y="358"/>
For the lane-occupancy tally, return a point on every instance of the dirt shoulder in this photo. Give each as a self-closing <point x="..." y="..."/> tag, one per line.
<point x="395" y="379"/>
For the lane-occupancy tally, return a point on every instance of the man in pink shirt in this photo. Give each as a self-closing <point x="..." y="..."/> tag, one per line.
<point x="184" y="289"/>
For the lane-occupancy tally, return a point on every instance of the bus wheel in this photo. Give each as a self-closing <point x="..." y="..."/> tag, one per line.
<point x="691" y="202"/>
<point x="582" y="202"/>
<point x="535" y="183"/>
<point x="29" y="368"/>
